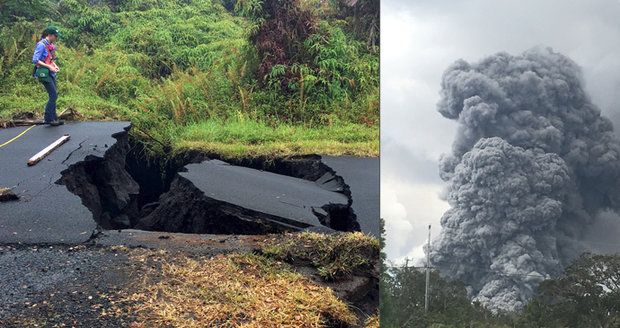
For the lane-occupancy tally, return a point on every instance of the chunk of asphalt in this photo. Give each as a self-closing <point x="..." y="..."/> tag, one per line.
<point x="216" y="197"/>
<point x="361" y="175"/>
<point x="7" y="194"/>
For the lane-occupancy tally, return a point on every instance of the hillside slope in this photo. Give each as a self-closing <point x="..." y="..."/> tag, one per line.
<point x="209" y="74"/>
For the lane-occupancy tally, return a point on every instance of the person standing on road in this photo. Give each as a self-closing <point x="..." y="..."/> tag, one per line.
<point x="45" y="70"/>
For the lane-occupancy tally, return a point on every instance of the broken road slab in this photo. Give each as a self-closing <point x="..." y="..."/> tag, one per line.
<point x="221" y="198"/>
<point x="88" y="184"/>
<point x="46" y="211"/>
<point x="362" y="175"/>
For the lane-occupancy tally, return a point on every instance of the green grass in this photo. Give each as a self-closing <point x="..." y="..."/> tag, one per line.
<point x="335" y="256"/>
<point x="186" y="75"/>
<point x="236" y="138"/>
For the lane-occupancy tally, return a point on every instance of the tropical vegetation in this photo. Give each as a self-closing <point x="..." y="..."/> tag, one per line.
<point x="299" y="70"/>
<point x="586" y="295"/>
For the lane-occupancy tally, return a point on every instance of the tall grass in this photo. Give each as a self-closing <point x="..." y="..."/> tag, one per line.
<point x="174" y="66"/>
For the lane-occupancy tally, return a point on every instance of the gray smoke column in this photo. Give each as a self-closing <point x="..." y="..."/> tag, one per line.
<point x="532" y="165"/>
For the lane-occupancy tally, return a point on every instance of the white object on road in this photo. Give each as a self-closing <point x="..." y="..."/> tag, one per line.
<point x="47" y="150"/>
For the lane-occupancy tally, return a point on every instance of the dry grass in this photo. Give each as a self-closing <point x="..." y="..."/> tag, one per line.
<point x="372" y="322"/>
<point x="335" y="256"/>
<point x="235" y="291"/>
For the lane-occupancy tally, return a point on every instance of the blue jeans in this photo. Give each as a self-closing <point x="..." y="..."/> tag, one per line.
<point x="50" y="108"/>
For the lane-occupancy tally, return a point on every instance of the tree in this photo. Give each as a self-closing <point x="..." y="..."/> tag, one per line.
<point x="402" y="302"/>
<point x="14" y="10"/>
<point x="363" y="18"/>
<point x="385" y="301"/>
<point x="588" y="295"/>
<point x="280" y="39"/>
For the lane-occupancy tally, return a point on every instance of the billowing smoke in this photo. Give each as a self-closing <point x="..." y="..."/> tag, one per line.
<point x="532" y="165"/>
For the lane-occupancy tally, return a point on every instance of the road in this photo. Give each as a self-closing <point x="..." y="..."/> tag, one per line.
<point x="263" y="192"/>
<point x="53" y="272"/>
<point x="362" y="176"/>
<point x="47" y="212"/>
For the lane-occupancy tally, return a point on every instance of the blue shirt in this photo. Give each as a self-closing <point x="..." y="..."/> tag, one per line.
<point x="41" y="52"/>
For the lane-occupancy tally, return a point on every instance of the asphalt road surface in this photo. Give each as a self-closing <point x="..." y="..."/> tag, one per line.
<point x="362" y="176"/>
<point x="47" y="212"/>
<point x="265" y="192"/>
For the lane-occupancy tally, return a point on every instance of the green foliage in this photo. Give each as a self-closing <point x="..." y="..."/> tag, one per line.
<point x="362" y="19"/>
<point x="402" y="302"/>
<point x="341" y="70"/>
<point x="168" y="64"/>
<point x="14" y="47"/>
<point x="279" y="40"/>
<point x="249" y="8"/>
<point x="24" y="10"/>
<point x="588" y="295"/>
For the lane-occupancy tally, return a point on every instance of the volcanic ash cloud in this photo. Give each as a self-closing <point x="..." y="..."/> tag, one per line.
<point x="532" y="165"/>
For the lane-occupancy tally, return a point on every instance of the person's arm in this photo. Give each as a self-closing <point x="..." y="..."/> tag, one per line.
<point x="36" y="58"/>
<point x="38" y="53"/>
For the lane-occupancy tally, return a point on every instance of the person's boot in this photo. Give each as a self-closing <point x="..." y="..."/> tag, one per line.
<point x="57" y="122"/>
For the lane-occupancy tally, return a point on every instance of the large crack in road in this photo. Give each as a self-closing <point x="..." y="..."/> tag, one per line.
<point x="60" y="248"/>
<point x="47" y="212"/>
<point x="119" y="187"/>
<point x="207" y="195"/>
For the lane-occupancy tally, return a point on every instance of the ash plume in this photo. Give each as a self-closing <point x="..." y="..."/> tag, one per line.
<point x="532" y="165"/>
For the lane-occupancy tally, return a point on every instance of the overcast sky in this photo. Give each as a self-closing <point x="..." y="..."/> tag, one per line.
<point x="420" y="38"/>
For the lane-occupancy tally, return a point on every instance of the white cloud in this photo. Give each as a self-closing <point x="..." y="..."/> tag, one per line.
<point x="408" y="209"/>
<point x="397" y="227"/>
<point x="416" y="255"/>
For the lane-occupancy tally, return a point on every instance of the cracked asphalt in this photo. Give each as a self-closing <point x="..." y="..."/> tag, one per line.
<point x="362" y="175"/>
<point x="277" y="195"/>
<point x="47" y="213"/>
<point x="53" y="274"/>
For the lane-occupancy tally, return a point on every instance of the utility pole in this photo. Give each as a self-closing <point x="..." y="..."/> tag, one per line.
<point x="428" y="268"/>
